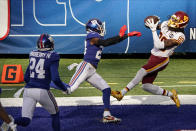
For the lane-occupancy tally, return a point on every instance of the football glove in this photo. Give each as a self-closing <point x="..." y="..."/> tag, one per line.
<point x="134" y="33"/>
<point x="122" y="30"/>
<point x="68" y="91"/>
<point x="153" y="26"/>
<point x="9" y="127"/>
<point x="72" y="66"/>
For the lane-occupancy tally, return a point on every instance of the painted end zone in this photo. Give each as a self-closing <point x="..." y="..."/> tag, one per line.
<point x="134" y="118"/>
<point x="138" y="113"/>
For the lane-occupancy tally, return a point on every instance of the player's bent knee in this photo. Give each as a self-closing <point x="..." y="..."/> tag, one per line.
<point x="150" y="88"/>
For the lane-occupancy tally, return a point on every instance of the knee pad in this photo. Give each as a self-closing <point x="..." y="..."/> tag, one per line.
<point x="151" y="88"/>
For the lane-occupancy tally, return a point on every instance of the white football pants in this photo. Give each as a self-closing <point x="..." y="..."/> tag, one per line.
<point x="33" y="95"/>
<point x="86" y="72"/>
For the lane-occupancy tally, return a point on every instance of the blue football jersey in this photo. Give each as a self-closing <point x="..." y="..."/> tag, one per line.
<point x="92" y="53"/>
<point x="43" y="67"/>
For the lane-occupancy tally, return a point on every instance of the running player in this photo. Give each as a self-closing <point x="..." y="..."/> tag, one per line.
<point x="170" y="37"/>
<point x="86" y="70"/>
<point x="42" y="69"/>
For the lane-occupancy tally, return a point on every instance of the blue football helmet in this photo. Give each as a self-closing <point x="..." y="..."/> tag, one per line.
<point x="45" y="43"/>
<point x="95" y="25"/>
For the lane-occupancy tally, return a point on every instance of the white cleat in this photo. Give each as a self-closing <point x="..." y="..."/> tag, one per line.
<point x="111" y="119"/>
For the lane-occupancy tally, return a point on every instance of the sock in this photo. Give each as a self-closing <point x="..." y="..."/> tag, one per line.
<point x="167" y="93"/>
<point x="22" y="121"/>
<point x="106" y="113"/>
<point x="124" y="91"/>
<point x="55" y="122"/>
<point x="106" y="98"/>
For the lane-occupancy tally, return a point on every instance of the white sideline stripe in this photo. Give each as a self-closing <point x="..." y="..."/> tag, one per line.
<point x="94" y="87"/>
<point x="97" y="100"/>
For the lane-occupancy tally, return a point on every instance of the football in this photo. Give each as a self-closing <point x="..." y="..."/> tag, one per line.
<point x="154" y="17"/>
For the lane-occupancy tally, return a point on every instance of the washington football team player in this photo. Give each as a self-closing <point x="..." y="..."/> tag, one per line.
<point x="170" y="37"/>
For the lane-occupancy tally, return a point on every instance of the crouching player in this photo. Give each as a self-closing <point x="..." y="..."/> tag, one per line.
<point x="43" y="67"/>
<point x="170" y="37"/>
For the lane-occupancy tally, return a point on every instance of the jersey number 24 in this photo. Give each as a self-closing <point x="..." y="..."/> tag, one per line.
<point x="37" y="67"/>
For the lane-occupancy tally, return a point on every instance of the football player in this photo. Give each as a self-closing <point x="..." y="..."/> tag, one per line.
<point x="86" y="70"/>
<point x="42" y="69"/>
<point x="8" y="123"/>
<point x="170" y="37"/>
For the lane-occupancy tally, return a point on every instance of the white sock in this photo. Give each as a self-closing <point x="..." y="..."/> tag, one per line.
<point x="124" y="91"/>
<point x="131" y="85"/>
<point x="106" y="113"/>
<point x="167" y="93"/>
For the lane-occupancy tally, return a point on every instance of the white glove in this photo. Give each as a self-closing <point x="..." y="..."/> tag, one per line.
<point x="18" y="92"/>
<point x="9" y="127"/>
<point x="12" y="126"/>
<point x="71" y="67"/>
<point x="150" y="23"/>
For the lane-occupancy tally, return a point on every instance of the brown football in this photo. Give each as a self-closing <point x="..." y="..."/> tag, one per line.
<point x="155" y="18"/>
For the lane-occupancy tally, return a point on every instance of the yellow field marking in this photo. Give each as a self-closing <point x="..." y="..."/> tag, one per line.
<point x="154" y="82"/>
<point x="112" y="83"/>
<point x="108" y="84"/>
<point x="12" y="85"/>
<point x="158" y="82"/>
<point x="187" y="82"/>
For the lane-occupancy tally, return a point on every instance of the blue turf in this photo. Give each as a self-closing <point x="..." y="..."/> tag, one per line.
<point x="135" y="118"/>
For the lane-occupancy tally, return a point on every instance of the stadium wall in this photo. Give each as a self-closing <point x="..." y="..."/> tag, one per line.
<point x="22" y="21"/>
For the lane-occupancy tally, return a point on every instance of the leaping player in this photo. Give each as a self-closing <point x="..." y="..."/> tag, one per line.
<point x="170" y="37"/>
<point x="86" y="70"/>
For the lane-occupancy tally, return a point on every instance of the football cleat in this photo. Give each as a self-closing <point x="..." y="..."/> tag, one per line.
<point x="117" y="94"/>
<point x="174" y="97"/>
<point x="111" y="119"/>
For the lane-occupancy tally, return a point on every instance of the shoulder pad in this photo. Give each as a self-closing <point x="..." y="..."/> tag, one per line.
<point x="54" y="56"/>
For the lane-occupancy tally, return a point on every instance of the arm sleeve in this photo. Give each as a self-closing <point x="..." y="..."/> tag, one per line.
<point x="27" y="75"/>
<point x="157" y="42"/>
<point x="55" y="76"/>
<point x="111" y="41"/>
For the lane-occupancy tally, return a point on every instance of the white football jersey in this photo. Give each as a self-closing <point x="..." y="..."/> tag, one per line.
<point x="165" y="34"/>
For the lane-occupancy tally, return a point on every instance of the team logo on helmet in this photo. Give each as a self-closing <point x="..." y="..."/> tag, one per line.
<point x="178" y="20"/>
<point x="45" y="42"/>
<point x="95" y="25"/>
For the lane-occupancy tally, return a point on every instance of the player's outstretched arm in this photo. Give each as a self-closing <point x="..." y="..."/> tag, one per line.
<point x="116" y="39"/>
<point x="169" y="43"/>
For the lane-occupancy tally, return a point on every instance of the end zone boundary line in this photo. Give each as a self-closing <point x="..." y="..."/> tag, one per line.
<point x="97" y="100"/>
